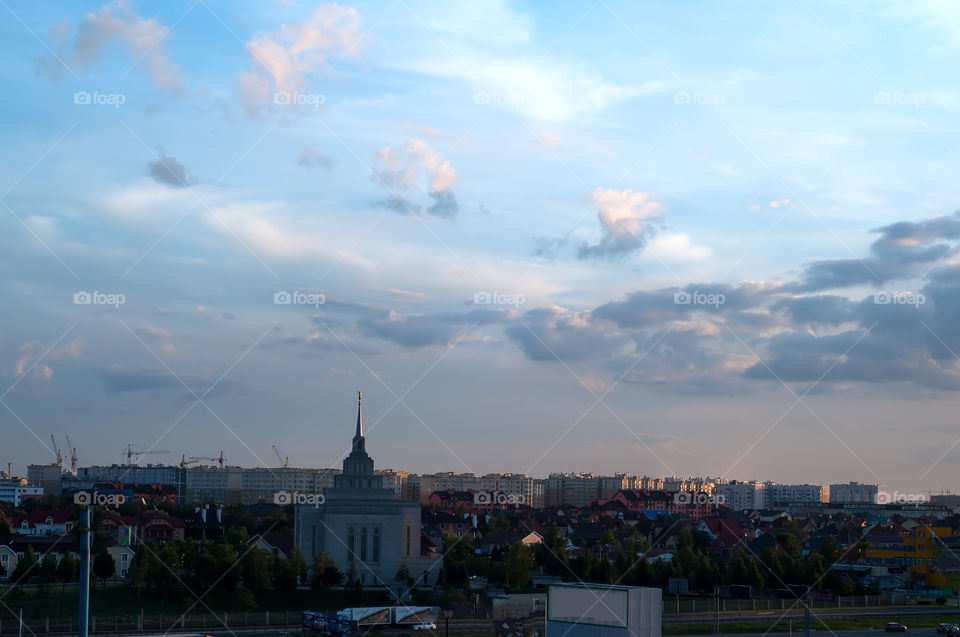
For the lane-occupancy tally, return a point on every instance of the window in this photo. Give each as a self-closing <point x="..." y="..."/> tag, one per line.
<point x="363" y="544"/>
<point x="376" y="544"/>
<point x="351" y="543"/>
<point x="123" y="558"/>
<point x="408" y="540"/>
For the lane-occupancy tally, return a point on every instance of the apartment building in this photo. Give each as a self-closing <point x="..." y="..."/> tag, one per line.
<point x="45" y="476"/>
<point x="856" y="492"/>
<point x="742" y="496"/>
<point x="776" y="494"/>
<point x="16" y="491"/>
<point x="522" y="488"/>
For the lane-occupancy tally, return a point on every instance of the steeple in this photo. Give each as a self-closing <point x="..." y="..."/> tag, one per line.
<point x="358" y="441"/>
<point x="359" y="415"/>
<point x="358" y="472"/>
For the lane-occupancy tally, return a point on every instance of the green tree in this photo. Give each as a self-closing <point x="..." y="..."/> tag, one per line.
<point x="519" y="561"/>
<point x="830" y="550"/>
<point x="790" y="544"/>
<point x="284" y="575"/>
<point x="66" y="570"/>
<point x="47" y="572"/>
<point x="255" y="571"/>
<point x="26" y="568"/>
<point x="104" y="566"/>
<point x="325" y="572"/>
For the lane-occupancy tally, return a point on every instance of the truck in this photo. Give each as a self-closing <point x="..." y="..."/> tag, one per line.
<point x="326" y="623"/>
<point x="413" y="615"/>
<point x="367" y="617"/>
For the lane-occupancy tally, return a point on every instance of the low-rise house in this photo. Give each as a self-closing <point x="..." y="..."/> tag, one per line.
<point x="41" y="522"/>
<point x="158" y="527"/>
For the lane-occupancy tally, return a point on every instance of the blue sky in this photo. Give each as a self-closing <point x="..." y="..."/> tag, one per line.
<point x="715" y="239"/>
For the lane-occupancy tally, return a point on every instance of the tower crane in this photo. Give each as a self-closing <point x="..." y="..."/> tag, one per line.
<point x="185" y="461"/>
<point x="73" y="456"/>
<point x="284" y="462"/>
<point x="131" y="453"/>
<point x="56" y="450"/>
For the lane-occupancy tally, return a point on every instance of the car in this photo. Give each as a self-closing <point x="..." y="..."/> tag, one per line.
<point x="895" y="627"/>
<point x="425" y="626"/>
<point x="947" y="627"/>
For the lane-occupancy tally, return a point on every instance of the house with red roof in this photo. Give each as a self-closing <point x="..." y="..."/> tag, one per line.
<point x="49" y="523"/>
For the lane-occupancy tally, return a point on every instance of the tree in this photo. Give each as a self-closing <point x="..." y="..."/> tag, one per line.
<point x="325" y="572"/>
<point x="66" y="570"/>
<point x="47" y="570"/>
<point x="403" y="575"/>
<point x="830" y="550"/>
<point x="284" y="575"/>
<point x="519" y="561"/>
<point x="26" y="568"/>
<point x="300" y="562"/>
<point x="104" y="567"/>
<point x="256" y="571"/>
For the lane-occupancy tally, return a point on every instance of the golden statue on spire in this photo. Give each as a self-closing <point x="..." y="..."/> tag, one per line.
<point x="359" y="396"/>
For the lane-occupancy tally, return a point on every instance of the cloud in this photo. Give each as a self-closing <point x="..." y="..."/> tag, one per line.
<point x="32" y="351"/>
<point x="167" y="170"/>
<point x="626" y="219"/>
<point x="416" y="165"/>
<point x="555" y="333"/>
<point x="313" y="158"/>
<point x="115" y="23"/>
<point x="903" y="249"/>
<point x="283" y="59"/>
<point x="549" y="140"/>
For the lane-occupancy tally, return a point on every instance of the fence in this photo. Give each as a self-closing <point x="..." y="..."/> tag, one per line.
<point x="687" y="605"/>
<point x="151" y="623"/>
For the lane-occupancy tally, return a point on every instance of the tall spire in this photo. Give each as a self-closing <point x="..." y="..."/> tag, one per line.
<point x="359" y="415"/>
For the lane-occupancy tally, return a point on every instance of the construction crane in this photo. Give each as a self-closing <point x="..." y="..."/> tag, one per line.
<point x="221" y="459"/>
<point x="73" y="456"/>
<point x="185" y="461"/>
<point x="284" y="462"/>
<point x="56" y="450"/>
<point x="131" y="453"/>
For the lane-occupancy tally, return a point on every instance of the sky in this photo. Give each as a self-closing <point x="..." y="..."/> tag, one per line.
<point x="660" y="238"/>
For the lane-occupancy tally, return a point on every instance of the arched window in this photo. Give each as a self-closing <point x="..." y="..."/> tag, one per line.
<point x="363" y="544"/>
<point x="376" y="544"/>
<point x="351" y="544"/>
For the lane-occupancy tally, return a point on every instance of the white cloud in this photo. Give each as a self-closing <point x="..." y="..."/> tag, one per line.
<point x="284" y="58"/>
<point x="626" y="219"/>
<point x="402" y="168"/>
<point x="676" y="247"/>
<point x="113" y="23"/>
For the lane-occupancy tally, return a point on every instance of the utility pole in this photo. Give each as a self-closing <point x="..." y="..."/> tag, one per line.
<point x="806" y="613"/>
<point x="83" y="619"/>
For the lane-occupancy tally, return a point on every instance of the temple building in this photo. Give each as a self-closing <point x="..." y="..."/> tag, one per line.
<point x="363" y="527"/>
